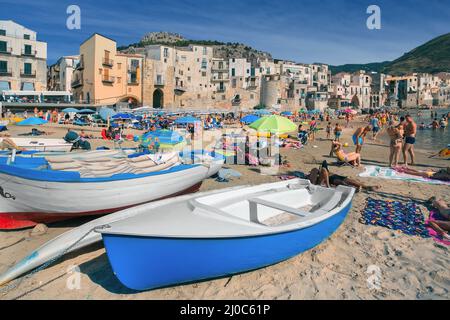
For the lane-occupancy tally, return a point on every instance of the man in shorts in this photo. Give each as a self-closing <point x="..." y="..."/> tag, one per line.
<point x="410" y="139"/>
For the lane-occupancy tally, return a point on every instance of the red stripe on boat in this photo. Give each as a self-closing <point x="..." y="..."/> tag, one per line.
<point x="21" y="220"/>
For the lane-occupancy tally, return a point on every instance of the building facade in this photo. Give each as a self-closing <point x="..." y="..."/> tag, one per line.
<point x="59" y="75"/>
<point x="23" y="59"/>
<point x="105" y="77"/>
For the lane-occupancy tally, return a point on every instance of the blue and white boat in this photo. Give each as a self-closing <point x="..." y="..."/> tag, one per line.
<point x="52" y="188"/>
<point x="218" y="234"/>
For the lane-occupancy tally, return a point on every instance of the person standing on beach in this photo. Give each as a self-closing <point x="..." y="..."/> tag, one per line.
<point x="328" y="130"/>
<point x="396" y="135"/>
<point x="410" y="139"/>
<point x="359" y="136"/>
<point x="337" y="132"/>
<point x="375" y="123"/>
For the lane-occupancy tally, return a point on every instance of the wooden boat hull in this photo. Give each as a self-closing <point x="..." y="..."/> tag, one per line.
<point x="143" y="263"/>
<point x="25" y="203"/>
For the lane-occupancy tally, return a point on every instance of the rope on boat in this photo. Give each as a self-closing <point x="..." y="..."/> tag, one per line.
<point x="18" y="281"/>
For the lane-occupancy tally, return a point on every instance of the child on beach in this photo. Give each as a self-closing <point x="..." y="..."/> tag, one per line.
<point x="328" y="130"/>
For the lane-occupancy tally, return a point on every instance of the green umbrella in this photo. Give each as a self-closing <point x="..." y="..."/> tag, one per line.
<point x="274" y="124"/>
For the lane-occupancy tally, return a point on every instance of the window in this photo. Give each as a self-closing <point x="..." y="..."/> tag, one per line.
<point x="204" y="63"/>
<point x="198" y="96"/>
<point x="3" y="46"/>
<point x="119" y="66"/>
<point x="119" y="79"/>
<point x="3" y="66"/>
<point x="233" y="72"/>
<point x="26" y="36"/>
<point x="159" y="79"/>
<point x="29" y="86"/>
<point x="100" y="71"/>
<point x="27" y="68"/>
<point x="165" y="60"/>
<point x="189" y="79"/>
<point x="203" y="74"/>
<point x="252" y="96"/>
<point x="205" y="51"/>
<point x="166" y="52"/>
<point x="223" y="97"/>
<point x="2" y="32"/>
<point x="27" y="49"/>
<point x="4" y="85"/>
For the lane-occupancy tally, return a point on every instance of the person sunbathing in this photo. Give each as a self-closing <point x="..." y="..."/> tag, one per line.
<point x="441" y="175"/>
<point x="442" y="227"/>
<point x="323" y="176"/>
<point x="352" y="158"/>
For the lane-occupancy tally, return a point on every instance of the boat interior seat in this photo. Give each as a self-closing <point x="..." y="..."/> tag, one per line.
<point x="328" y="204"/>
<point x="254" y="202"/>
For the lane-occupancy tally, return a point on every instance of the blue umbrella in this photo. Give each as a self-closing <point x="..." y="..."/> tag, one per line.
<point x="86" y="111"/>
<point x="32" y="122"/>
<point x="123" y="116"/>
<point x="250" y="118"/>
<point x="286" y="113"/>
<point x="262" y="112"/>
<point x="165" y="136"/>
<point x="106" y="112"/>
<point x="69" y="110"/>
<point x="186" y="120"/>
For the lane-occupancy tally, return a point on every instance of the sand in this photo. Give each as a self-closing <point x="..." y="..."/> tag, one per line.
<point x="340" y="268"/>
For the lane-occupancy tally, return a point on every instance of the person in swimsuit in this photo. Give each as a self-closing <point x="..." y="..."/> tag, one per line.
<point x="441" y="175"/>
<point x="396" y="136"/>
<point x="359" y="136"/>
<point x="322" y="176"/>
<point x="337" y="132"/>
<point x="375" y="123"/>
<point x="353" y="158"/>
<point x="442" y="227"/>
<point x="410" y="139"/>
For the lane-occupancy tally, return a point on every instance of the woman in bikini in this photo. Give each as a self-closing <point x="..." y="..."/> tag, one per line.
<point x="441" y="175"/>
<point x="442" y="227"/>
<point x="396" y="144"/>
<point x="353" y="158"/>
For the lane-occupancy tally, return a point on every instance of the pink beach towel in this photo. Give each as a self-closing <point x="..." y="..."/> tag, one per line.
<point x="434" y="216"/>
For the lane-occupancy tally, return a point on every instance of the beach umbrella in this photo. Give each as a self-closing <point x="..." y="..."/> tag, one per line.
<point x="165" y="136"/>
<point x="86" y="111"/>
<point x="32" y="122"/>
<point x="186" y="120"/>
<point x="250" y="118"/>
<point x="122" y="116"/>
<point x="286" y="113"/>
<point x="274" y="124"/>
<point x="263" y="112"/>
<point x="70" y="110"/>
<point x="106" y="112"/>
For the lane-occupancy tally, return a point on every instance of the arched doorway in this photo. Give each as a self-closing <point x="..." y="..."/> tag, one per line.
<point x="158" y="99"/>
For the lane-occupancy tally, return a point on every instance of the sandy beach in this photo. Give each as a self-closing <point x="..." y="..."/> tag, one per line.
<point x="411" y="267"/>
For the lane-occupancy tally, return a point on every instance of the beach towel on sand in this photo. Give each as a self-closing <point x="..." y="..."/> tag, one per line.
<point x="434" y="216"/>
<point x="388" y="173"/>
<point x="406" y="217"/>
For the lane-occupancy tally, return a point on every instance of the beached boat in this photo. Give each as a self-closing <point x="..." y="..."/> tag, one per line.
<point x="42" y="144"/>
<point x="210" y="234"/>
<point x="47" y="189"/>
<point x="222" y="234"/>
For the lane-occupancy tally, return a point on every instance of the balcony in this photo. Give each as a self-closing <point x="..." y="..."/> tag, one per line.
<point x="5" y="73"/>
<point x="77" y="83"/>
<point x="220" y="80"/>
<point x="133" y="82"/>
<point x="29" y="53"/>
<point x="220" y="90"/>
<point x="80" y="65"/>
<point x="108" y="79"/>
<point x="159" y="82"/>
<point x="180" y="88"/>
<point x="218" y="69"/>
<point x="7" y="50"/>
<point x="236" y="102"/>
<point x="28" y="74"/>
<point x="108" y="62"/>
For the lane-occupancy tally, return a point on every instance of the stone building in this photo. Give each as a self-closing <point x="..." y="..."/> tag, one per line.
<point x="23" y="59"/>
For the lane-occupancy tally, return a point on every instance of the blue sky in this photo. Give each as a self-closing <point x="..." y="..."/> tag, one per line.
<point x="328" y="31"/>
